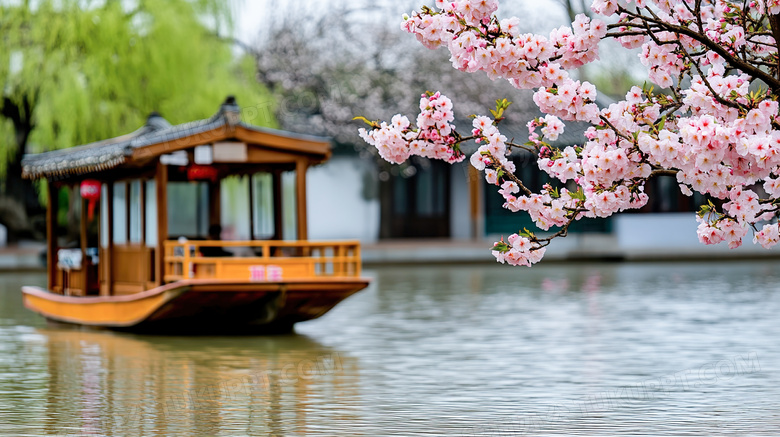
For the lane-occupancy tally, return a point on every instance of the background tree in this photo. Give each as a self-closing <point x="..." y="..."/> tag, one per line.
<point x="324" y="65"/>
<point x="75" y="71"/>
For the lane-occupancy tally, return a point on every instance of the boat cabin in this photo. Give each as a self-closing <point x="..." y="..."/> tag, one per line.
<point x="151" y="208"/>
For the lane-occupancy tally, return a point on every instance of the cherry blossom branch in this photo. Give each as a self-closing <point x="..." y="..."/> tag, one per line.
<point x="713" y="133"/>
<point x="521" y="146"/>
<point x="770" y="80"/>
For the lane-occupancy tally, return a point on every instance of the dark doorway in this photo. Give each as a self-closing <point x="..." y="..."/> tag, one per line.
<point x="417" y="206"/>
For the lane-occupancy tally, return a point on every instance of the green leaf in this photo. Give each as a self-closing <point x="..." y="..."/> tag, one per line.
<point x="662" y="123"/>
<point x="527" y="234"/>
<point x="500" y="246"/>
<point x="367" y="121"/>
<point x="579" y="194"/>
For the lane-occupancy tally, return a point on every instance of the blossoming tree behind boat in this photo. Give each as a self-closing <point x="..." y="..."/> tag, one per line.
<point x="711" y="119"/>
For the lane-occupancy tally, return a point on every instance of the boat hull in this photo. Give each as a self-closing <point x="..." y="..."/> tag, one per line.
<point x="200" y="306"/>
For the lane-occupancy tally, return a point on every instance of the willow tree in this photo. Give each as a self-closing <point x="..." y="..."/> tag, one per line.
<point x="74" y="71"/>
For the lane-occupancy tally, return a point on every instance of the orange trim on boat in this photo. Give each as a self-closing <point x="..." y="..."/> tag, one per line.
<point x="103" y="311"/>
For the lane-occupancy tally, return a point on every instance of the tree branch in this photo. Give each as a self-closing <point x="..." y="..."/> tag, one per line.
<point x="756" y="72"/>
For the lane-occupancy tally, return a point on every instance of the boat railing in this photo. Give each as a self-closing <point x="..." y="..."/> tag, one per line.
<point x="263" y="260"/>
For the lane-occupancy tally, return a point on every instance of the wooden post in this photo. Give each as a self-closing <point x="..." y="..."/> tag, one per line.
<point x="142" y="196"/>
<point x="147" y="275"/>
<point x="99" y="243"/>
<point x="300" y="198"/>
<point x="109" y="253"/>
<point x="475" y="202"/>
<point x="251" y="207"/>
<point x="278" y="213"/>
<point x="83" y="245"/>
<point x="358" y="262"/>
<point x="161" y="185"/>
<point x="51" y="233"/>
<point x="215" y="200"/>
<point x="128" y="187"/>
<point x="186" y="267"/>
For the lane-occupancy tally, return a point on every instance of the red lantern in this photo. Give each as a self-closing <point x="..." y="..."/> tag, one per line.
<point x="201" y="172"/>
<point x="90" y="190"/>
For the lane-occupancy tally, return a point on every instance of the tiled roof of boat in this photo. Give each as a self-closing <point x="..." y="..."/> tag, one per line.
<point x="107" y="154"/>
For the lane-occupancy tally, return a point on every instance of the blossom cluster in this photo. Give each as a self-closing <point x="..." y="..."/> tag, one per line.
<point x="492" y="152"/>
<point x="518" y="251"/>
<point x="432" y="138"/>
<point x="546" y="209"/>
<point x="713" y="125"/>
<point x="570" y="101"/>
<point x="479" y="42"/>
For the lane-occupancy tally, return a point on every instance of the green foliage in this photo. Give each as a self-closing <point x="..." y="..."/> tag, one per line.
<point x="94" y="70"/>
<point x="501" y="246"/>
<point x="373" y="124"/>
<point x="501" y="106"/>
<point x="709" y="210"/>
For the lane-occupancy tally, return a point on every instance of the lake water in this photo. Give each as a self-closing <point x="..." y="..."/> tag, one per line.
<point x="585" y="349"/>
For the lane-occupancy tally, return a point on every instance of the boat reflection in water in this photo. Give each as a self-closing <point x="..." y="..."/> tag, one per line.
<point x="139" y="386"/>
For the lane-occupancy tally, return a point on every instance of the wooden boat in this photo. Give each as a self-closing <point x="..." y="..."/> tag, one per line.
<point x="150" y="256"/>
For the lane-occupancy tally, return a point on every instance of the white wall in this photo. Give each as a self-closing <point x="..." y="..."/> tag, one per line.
<point x="336" y="205"/>
<point x="658" y="230"/>
<point x="460" y="211"/>
<point x="670" y="234"/>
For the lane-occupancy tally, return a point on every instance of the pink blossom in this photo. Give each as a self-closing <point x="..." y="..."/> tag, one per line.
<point x="768" y="236"/>
<point x="709" y="234"/>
